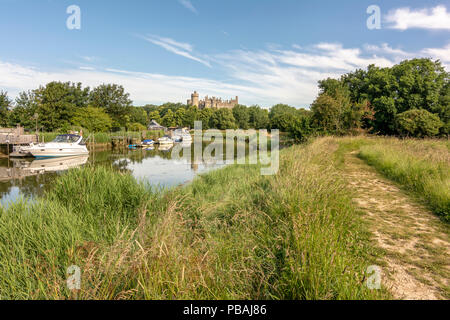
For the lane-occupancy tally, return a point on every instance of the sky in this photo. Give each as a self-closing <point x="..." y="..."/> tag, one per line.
<point x="264" y="51"/>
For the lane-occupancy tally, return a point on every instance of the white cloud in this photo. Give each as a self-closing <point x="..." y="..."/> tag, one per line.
<point x="188" y="5"/>
<point x="427" y="18"/>
<point x="143" y="87"/>
<point x="179" y="48"/>
<point x="86" y="68"/>
<point x="263" y="77"/>
<point x="442" y="54"/>
<point x="88" y="58"/>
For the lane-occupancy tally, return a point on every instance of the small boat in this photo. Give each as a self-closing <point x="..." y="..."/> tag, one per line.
<point x="180" y="135"/>
<point x="64" y="145"/>
<point x="165" y="140"/>
<point x="148" y="142"/>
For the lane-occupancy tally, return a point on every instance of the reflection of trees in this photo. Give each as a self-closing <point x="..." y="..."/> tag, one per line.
<point x="118" y="159"/>
<point x="29" y="186"/>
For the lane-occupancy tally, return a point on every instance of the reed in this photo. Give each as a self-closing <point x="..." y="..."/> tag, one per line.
<point x="230" y="234"/>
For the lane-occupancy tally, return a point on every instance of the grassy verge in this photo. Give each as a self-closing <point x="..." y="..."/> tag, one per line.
<point x="231" y="234"/>
<point x="422" y="166"/>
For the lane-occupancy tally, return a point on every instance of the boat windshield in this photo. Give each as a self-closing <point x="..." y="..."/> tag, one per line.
<point x="66" y="138"/>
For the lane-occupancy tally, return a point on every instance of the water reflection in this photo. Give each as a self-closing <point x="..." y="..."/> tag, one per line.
<point x="32" y="177"/>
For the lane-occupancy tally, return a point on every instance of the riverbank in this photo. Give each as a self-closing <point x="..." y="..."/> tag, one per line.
<point x="230" y="234"/>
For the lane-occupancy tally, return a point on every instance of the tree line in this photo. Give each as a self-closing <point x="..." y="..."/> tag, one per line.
<point x="411" y="98"/>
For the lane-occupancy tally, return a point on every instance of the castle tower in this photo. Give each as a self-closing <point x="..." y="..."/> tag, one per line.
<point x="195" y="98"/>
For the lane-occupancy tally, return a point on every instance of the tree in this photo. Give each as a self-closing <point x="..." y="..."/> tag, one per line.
<point x="24" y="111"/>
<point x="242" y="116"/>
<point x="114" y="100"/>
<point x="282" y="117"/>
<point x="327" y="114"/>
<point x="192" y="114"/>
<point x="258" y="118"/>
<point x="418" y="123"/>
<point x="411" y="84"/>
<point x="169" y="119"/>
<point x="154" y="115"/>
<point x="137" y="127"/>
<point x="180" y="117"/>
<point x="300" y="129"/>
<point x="223" y="119"/>
<point x="57" y="103"/>
<point x="138" y="115"/>
<point x="93" y="119"/>
<point x="205" y="117"/>
<point x="5" y="104"/>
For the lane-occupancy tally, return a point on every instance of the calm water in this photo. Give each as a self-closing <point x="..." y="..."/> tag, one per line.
<point x="32" y="177"/>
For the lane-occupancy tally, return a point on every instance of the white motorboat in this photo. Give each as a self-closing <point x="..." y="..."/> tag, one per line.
<point x="165" y="140"/>
<point x="65" y="145"/>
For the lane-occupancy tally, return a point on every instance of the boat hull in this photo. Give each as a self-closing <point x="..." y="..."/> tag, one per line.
<point x="56" y="153"/>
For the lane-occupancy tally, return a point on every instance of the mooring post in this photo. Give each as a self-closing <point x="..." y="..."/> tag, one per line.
<point x="7" y="148"/>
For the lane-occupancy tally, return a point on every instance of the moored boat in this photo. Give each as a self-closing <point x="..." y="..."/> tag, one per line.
<point x="65" y="145"/>
<point x="165" y="140"/>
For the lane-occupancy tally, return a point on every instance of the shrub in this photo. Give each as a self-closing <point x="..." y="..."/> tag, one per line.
<point x="418" y="123"/>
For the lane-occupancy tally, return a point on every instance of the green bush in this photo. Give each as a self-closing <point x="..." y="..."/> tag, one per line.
<point x="418" y="123"/>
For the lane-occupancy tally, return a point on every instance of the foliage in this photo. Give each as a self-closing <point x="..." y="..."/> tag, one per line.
<point x="418" y="123"/>
<point x="223" y="119"/>
<point x="136" y="126"/>
<point x="114" y="100"/>
<point x="5" y="104"/>
<point x="301" y="129"/>
<point x="25" y="111"/>
<point x="169" y="119"/>
<point x="57" y="103"/>
<point x="242" y="116"/>
<point x="93" y="119"/>
<point x="258" y="117"/>
<point x="138" y="115"/>
<point x="412" y="84"/>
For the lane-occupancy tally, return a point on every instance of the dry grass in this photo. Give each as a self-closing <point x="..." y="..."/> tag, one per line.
<point x="231" y="234"/>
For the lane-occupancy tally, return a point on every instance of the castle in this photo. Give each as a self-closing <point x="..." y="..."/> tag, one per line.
<point x="211" y="102"/>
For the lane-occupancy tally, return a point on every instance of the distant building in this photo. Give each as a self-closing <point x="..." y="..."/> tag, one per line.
<point x="155" y="126"/>
<point x="211" y="102"/>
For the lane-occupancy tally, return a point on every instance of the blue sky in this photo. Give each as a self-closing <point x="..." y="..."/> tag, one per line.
<point x="265" y="51"/>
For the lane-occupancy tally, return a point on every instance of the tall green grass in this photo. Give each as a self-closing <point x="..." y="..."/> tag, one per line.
<point x="230" y="234"/>
<point x="422" y="166"/>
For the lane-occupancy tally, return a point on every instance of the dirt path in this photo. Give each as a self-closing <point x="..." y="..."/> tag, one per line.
<point x="416" y="264"/>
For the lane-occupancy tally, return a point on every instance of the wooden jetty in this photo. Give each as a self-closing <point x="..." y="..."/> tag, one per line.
<point x="11" y="137"/>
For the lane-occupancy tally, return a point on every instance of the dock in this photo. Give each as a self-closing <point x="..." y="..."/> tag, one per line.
<point x="13" y="137"/>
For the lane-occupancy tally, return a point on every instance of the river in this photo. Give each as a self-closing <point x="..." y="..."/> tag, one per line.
<point x="30" y="178"/>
